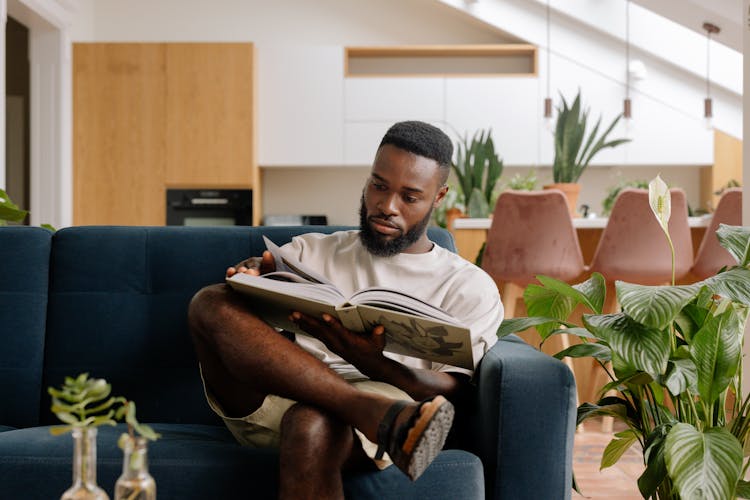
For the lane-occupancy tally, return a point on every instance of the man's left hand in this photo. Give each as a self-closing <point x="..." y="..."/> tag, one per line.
<point x="359" y="349"/>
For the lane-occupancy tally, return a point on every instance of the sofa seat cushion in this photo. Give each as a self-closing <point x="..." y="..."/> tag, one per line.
<point x="204" y="461"/>
<point x="4" y="428"/>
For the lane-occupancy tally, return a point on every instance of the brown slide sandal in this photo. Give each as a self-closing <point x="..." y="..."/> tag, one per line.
<point x="414" y="444"/>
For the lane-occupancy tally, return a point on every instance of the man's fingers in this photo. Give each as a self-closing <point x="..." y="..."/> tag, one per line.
<point x="378" y="330"/>
<point x="231" y="272"/>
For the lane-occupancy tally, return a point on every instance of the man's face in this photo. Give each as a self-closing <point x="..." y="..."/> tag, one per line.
<point x="397" y="202"/>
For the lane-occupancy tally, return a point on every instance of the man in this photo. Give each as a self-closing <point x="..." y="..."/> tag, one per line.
<point x="333" y="401"/>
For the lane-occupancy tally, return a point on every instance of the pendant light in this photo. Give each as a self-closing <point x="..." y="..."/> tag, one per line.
<point x="549" y="122"/>
<point x="708" y="112"/>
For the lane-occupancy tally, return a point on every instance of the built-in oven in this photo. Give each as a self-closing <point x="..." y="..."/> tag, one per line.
<point x="209" y="207"/>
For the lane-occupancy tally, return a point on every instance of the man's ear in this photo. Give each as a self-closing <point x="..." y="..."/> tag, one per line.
<point x="440" y="195"/>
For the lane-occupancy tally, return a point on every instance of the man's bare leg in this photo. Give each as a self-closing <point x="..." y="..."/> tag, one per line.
<point x="315" y="448"/>
<point x="243" y="359"/>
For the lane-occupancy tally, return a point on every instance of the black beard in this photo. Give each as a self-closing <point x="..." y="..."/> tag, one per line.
<point x="377" y="245"/>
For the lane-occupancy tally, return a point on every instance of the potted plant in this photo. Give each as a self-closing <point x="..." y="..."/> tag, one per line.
<point x="575" y="146"/>
<point x="477" y="168"/>
<point x="673" y="359"/>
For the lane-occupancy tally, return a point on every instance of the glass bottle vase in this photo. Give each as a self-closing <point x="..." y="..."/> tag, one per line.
<point x="135" y="483"/>
<point x="84" y="468"/>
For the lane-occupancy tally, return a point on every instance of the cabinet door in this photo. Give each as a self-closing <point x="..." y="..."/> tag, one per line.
<point x="394" y="99"/>
<point x="509" y="106"/>
<point x="118" y="134"/>
<point x="209" y="109"/>
<point x="302" y="106"/>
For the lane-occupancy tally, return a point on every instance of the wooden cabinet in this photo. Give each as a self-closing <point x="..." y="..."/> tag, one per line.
<point x="151" y="116"/>
<point x="727" y="167"/>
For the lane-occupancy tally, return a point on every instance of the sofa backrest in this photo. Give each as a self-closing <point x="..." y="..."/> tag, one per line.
<point x="118" y="308"/>
<point x="24" y="265"/>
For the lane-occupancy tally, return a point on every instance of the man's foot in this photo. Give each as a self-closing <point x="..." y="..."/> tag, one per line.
<point x="414" y="442"/>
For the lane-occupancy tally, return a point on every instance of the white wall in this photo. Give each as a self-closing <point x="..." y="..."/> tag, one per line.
<point x="310" y="116"/>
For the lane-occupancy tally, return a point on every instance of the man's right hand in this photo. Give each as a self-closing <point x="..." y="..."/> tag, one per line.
<point x="254" y="265"/>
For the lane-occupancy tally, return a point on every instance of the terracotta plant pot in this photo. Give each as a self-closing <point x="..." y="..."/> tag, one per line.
<point x="570" y="190"/>
<point x="452" y="214"/>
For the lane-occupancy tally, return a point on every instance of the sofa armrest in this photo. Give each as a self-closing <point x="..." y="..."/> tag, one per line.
<point x="525" y="422"/>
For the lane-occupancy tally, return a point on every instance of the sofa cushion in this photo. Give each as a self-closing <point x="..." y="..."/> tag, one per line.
<point x="24" y="254"/>
<point x="200" y="461"/>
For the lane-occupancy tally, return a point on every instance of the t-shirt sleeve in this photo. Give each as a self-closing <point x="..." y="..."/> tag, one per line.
<point x="476" y="304"/>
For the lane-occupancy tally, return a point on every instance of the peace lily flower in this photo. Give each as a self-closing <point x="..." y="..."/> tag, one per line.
<point x="661" y="204"/>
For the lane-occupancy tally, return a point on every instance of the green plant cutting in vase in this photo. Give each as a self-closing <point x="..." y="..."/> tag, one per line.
<point x="574" y="145"/>
<point x="83" y="404"/>
<point x="477" y="169"/>
<point x="673" y="361"/>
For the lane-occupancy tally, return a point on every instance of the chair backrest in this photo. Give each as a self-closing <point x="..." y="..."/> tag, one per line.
<point x="711" y="255"/>
<point x="633" y="246"/>
<point x="531" y="234"/>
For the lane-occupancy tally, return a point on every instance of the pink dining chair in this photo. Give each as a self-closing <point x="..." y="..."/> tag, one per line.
<point x="633" y="248"/>
<point x="711" y="255"/>
<point x="531" y="234"/>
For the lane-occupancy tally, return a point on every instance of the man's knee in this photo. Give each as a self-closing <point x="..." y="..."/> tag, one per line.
<point x="307" y="427"/>
<point x="208" y="303"/>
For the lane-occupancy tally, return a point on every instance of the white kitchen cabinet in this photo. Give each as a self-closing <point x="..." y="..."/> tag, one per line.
<point x="509" y="106"/>
<point x="300" y="105"/>
<point x="393" y="99"/>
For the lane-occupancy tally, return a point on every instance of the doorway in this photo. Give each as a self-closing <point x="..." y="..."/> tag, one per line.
<point x="17" y="109"/>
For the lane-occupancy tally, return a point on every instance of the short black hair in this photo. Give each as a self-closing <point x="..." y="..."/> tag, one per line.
<point x="422" y="139"/>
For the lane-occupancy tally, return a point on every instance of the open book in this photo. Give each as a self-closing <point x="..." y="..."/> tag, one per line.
<point x="412" y="327"/>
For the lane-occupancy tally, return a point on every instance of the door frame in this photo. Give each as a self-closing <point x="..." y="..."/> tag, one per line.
<point x="50" y="155"/>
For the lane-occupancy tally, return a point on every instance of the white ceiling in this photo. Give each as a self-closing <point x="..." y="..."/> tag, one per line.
<point x="726" y="14"/>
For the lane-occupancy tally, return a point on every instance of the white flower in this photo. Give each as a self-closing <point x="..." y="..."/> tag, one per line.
<point x="660" y="201"/>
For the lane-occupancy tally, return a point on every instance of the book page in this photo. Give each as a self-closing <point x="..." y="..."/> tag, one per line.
<point x="399" y="301"/>
<point x="290" y="264"/>
<point x="421" y="338"/>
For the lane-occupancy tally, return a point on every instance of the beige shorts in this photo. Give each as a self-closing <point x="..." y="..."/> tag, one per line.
<point x="262" y="427"/>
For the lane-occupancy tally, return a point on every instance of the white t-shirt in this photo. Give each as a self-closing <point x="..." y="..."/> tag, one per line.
<point x="438" y="277"/>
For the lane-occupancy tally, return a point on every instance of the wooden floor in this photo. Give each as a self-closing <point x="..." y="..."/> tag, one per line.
<point x="618" y="482"/>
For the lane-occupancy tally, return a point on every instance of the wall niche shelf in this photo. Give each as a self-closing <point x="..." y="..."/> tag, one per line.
<point x="501" y="60"/>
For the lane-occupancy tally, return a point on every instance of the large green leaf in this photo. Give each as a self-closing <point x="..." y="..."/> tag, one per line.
<point x="557" y="299"/>
<point x="654" y="306"/>
<point x="736" y="239"/>
<point x="703" y="465"/>
<point x="610" y="406"/>
<point x="594" y="290"/>
<point x="716" y="351"/>
<point x="733" y="283"/>
<point x="547" y="302"/>
<point x="635" y="347"/>
<point x="682" y="374"/>
<point x="514" y="325"/>
<point x="617" y="447"/>
<point x="588" y="349"/>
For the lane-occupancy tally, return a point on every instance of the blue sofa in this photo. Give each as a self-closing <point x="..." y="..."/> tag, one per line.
<point x="112" y="301"/>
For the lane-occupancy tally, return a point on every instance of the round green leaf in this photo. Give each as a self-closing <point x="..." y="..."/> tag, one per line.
<point x="703" y="465"/>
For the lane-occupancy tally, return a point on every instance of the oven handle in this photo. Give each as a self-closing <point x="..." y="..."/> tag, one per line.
<point x="209" y="201"/>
